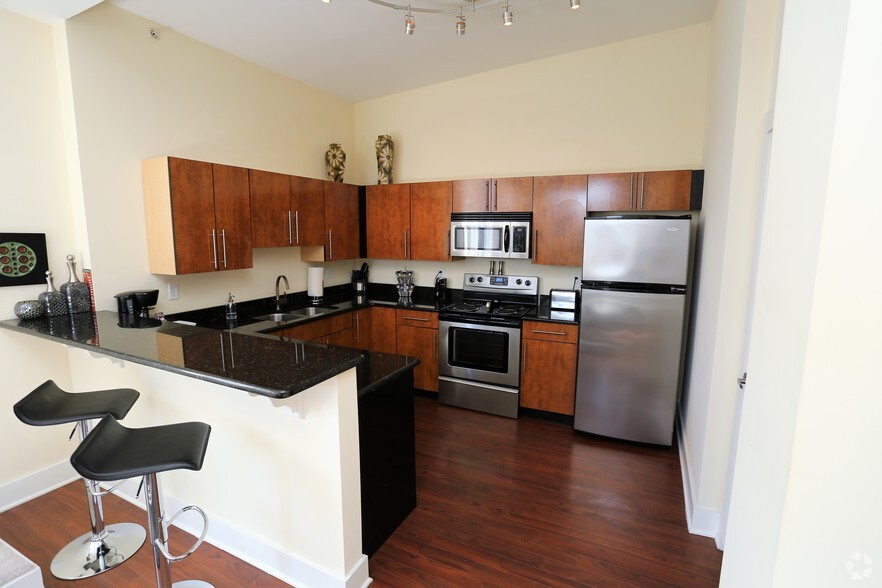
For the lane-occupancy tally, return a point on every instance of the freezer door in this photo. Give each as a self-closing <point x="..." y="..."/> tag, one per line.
<point x="629" y="364"/>
<point x="636" y="250"/>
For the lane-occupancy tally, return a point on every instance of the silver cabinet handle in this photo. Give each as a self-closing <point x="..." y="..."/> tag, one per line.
<point x="549" y="332"/>
<point x="405" y="243"/>
<point x="357" y="338"/>
<point x="488" y="195"/>
<point x="330" y="245"/>
<point x="415" y="318"/>
<point x="297" y="225"/>
<point x="214" y="247"/>
<point x="642" y="188"/>
<point x="288" y="219"/>
<point x="494" y="195"/>
<point x="224" y="243"/>
<point x="631" y="194"/>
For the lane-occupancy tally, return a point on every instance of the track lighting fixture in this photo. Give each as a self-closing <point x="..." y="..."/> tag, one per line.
<point x="440" y="8"/>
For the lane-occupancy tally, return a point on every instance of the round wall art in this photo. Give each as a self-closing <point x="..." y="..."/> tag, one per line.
<point x="22" y="259"/>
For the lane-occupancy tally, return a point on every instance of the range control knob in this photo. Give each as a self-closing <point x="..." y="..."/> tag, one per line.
<point x="528" y="282"/>
<point x="518" y="281"/>
<point x="480" y="279"/>
<point x="472" y="279"/>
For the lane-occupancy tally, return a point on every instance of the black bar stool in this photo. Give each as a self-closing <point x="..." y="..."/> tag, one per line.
<point x="113" y="452"/>
<point x="106" y="546"/>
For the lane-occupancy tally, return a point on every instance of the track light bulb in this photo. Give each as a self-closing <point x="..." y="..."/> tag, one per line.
<point x="507" y="16"/>
<point x="460" y="26"/>
<point x="409" y="24"/>
<point x="574" y="4"/>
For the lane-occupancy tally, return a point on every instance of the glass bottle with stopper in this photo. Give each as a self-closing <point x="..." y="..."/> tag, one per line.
<point x="54" y="302"/>
<point x="231" y="313"/>
<point x="75" y="292"/>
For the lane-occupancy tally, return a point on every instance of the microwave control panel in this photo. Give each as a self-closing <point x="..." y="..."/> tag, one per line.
<point x="519" y="239"/>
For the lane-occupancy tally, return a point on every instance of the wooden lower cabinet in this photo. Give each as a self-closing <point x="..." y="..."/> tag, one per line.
<point x="322" y="330"/>
<point x="361" y="329"/>
<point x="383" y="338"/>
<point x="417" y="336"/>
<point x="550" y="353"/>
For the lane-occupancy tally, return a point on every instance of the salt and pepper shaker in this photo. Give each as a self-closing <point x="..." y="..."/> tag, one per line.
<point x="75" y="292"/>
<point x="232" y="314"/>
<point x="54" y="302"/>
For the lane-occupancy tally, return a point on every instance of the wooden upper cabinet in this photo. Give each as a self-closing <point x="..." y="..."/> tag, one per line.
<point x="649" y="191"/>
<point x="493" y="195"/>
<point x="430" y="206"/>
<point x="342" y="234"/>
<point x="387" y="219"/>
<point x="232" y="216"/>
<point x="308" y="209"/>
<point x="559" y="219"/>
<point x="607" y="192"/>
<point x="180" y="205"/>
<point x="665" y="190"/>
<point x="271" y="222"/>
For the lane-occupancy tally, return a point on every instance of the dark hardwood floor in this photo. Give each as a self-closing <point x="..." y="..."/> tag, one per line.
<point x="500" y="503"/>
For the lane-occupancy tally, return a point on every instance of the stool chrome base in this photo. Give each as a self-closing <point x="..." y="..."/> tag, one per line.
<point x="192" y="584"/>
<point x="83" y="557"/>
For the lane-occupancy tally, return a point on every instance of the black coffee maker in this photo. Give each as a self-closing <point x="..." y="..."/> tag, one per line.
<point x="440" y="288"/>
<point x="133" y="308"/>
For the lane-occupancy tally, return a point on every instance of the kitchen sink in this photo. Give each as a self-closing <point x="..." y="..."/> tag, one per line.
<point x="293" y="315"/>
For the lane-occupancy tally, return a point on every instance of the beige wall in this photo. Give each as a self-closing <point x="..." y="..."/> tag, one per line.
<point x="136" y="97"/>
<point x="743" y="58"/>
<point x="34" y="199"/>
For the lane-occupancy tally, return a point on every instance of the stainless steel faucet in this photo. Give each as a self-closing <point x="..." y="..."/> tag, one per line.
<point x="284" y="294"/>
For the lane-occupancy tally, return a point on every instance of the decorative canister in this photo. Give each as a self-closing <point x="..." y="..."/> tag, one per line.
<point x="335" y="162"/>
<point x="75" y="292"/>
<point x="385" y="152"/>
<point x="54" y="303"/>
<point x="28" y="309"/>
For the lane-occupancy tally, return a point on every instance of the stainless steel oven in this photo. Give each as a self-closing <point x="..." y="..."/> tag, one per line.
<point x="480" y="343"/>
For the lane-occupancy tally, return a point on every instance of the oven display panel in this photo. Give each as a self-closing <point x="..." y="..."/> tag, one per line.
<point x="498" y="280"/>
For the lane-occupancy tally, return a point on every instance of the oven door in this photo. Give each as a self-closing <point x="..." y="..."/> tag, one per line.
<point x="480" y="352"/>
<point x="482" y="238"/>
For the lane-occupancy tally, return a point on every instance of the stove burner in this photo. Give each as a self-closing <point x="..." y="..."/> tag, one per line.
<point x="508" y="309"/>
<point x="467" y="306"/>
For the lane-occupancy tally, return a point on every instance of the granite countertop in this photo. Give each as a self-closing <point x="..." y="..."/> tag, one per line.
<point x="259" y="364"/>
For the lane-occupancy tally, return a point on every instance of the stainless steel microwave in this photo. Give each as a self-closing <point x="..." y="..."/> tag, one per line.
<point x="498" y="235"/>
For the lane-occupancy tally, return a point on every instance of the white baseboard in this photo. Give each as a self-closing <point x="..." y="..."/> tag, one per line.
<point x="36" y="484"/>
<point x="699" y="520"/>
<point x="235" y="541"/>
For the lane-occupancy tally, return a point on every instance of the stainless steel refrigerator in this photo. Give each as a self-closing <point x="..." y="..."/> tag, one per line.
<point x="635" y="279"/>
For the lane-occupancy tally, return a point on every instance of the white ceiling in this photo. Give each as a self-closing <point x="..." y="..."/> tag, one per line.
<point x="357" y="50"/>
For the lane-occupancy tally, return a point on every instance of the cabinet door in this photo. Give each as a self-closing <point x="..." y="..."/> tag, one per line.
<point x="388" y="221"/>
<point x="383" y="335"/>
<point x="271" y="223"/>
<point x="559" y="219"/>
<point x="192" y="204"/>
<point x="308" y="208"/>
<point x="665" y="190"/>
<point x="342" y="234"/>
<point x="611" y="192"/>
<point x="344" y="338"/>
<point x="513" y="195"/>
<point x="361" y="327"/>
<point x="471" y="195"/>
<point x="548" y="376"/>
<point x="423" y="344"/>
<point x="430" y="204"/>
<point x="232" y="216"/>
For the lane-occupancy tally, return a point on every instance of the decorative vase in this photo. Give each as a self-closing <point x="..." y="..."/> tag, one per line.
<point x="335" y="162"/>
<point x="54" y="303"/>
<point x="385" y="151"/>
<point x="28" y="309"/>
<point x="75" y="292"/>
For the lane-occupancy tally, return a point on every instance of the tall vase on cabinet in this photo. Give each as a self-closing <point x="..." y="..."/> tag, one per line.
<point x="385" y="152"/>
<point x="335" y="162"/>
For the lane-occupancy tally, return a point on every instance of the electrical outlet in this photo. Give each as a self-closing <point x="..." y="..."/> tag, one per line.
<point x="172" y="291"/>
<point x="329" y="273"/>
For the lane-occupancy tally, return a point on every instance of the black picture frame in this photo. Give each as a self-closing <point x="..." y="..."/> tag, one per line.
<point x="23" y="260"/>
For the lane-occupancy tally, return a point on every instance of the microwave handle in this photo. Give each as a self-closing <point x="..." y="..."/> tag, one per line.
<point x="505" y="238"/>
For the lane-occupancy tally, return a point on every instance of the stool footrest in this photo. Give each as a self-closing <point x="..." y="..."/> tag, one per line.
<point x="167" y="523"/>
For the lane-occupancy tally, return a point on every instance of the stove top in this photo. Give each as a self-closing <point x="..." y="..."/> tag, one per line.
<point x="494" y="295"/>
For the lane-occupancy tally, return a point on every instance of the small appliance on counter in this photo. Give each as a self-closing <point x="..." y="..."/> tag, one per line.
<point x="405" y="284"/>
<point x="440" y="287"/>
<point x="134" y="308"/>
<point x="359" y="283"/>
<point x="562" y="304"/>
<point x="315" y="284"/>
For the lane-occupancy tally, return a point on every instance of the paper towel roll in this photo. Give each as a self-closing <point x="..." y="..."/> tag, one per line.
<point x="315" y="283"/>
